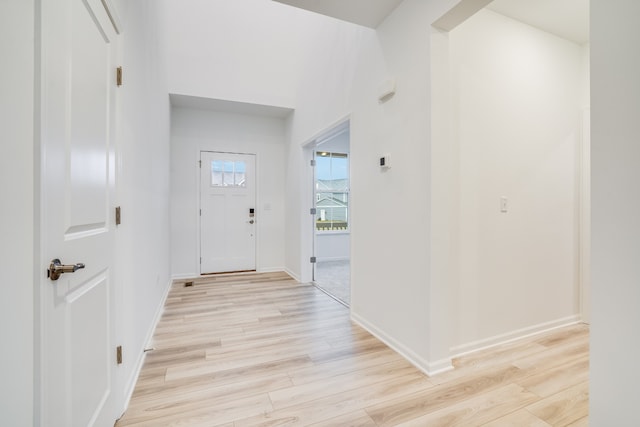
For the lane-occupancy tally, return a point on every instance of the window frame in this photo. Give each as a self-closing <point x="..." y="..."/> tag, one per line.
<point x="235" y="172"/>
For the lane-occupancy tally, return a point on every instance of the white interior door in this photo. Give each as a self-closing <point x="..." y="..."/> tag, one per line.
<point x="77" y="355"/>
<point x="227" y="212"/>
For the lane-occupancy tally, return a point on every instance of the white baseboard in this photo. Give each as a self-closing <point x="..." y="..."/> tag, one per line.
<point x="472" y="347"/>
<point x="296" y="277"/>
<point x="429" y="368"/>
<point x="270" y="270"/>
<point x="184" y="276"/>
<point x="133" y="379"/>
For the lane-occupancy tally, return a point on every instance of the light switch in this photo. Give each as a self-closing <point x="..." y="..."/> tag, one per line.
<point x="504" y="204"/>
<point x="385" y="162"/>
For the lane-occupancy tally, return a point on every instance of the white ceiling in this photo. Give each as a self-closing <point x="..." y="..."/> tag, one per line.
<point x="369" y="13"/>
<point x="566" y="18"/>
<point x="221" y="105"/>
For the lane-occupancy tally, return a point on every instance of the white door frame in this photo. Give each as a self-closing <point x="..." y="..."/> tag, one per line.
<point x="584" y="200"/>
<point x="307" y="236"/>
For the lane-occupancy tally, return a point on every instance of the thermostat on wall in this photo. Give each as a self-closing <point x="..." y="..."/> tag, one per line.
<point x="385" y="162"/>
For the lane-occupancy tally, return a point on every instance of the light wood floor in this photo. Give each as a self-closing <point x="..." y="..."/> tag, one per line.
<point x="262" y="350"/>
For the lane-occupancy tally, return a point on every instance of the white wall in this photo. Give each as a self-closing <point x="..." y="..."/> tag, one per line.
<point x="517" y="101"/>
<point x="615" y="151"/>
<point x="390" y="237"/>
<point x="396" y="291"/>
<point x="195" y="130"/>
<point x="341" y="67"/>
<point x="16" y="228"/>
<point x="322" y="101"/>
<point x="235" y="50"/>
<point x="254" y="51"/>
<point x="390" y="270"/>
<point x="333" y="246"/>
<point x="142" y="240"/>
<point x="616" y="237"/>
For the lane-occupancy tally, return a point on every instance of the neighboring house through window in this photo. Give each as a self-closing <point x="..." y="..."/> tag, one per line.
<point x="332" y="191"/>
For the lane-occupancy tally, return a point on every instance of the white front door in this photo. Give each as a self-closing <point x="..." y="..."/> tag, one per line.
<point x="227" y="212"/>
<point x="77" y="351"/>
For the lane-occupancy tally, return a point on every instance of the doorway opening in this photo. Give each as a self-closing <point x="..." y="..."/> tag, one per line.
<point x="332" y="220"/>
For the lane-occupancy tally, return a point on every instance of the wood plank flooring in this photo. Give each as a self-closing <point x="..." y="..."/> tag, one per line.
<point x="263" y="350"/>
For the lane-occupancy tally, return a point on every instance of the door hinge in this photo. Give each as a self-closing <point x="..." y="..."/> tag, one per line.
<point x="119" y="76"/>
<point x="200" y="260"/>
<point x="200" y="212"/>
<point x="313" y="162"/>
<point x="313" y="211"/>
<point x="200" y="163"/>
<point x="118" y="215"/>
<point x="312" y="260"/>
<point x="119" y="355"/>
